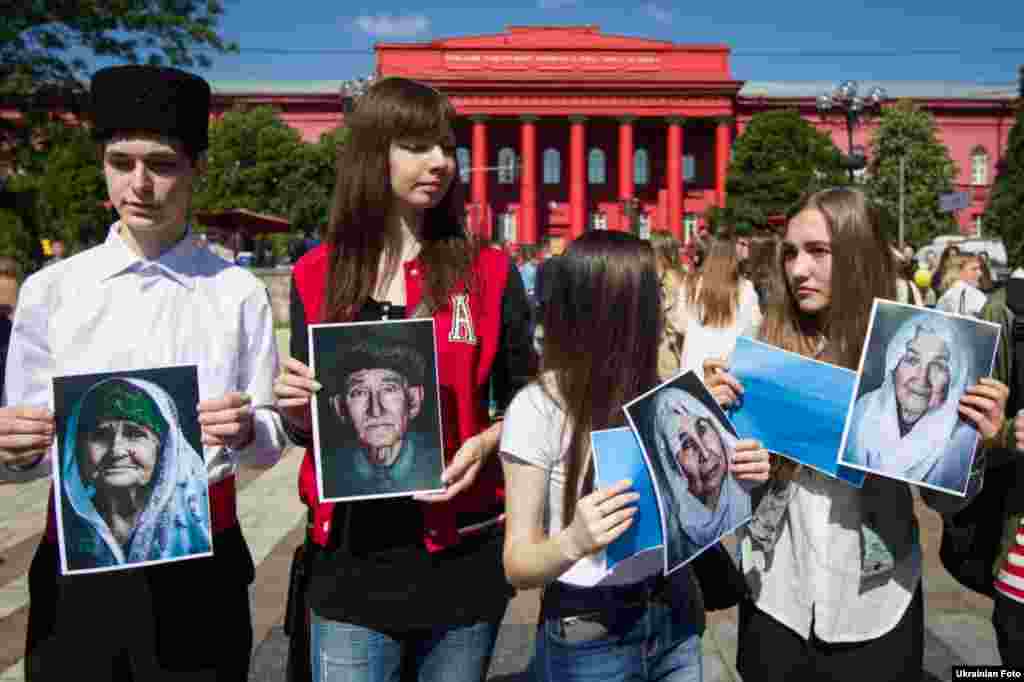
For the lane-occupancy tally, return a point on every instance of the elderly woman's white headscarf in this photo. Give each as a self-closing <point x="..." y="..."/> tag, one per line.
<point x="179" y="478"/>
<point x="876" y="441"/>
<point x="683" y="511"/>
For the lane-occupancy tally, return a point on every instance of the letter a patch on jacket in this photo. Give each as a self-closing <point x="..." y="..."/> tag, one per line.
<point x="462" y="321"/>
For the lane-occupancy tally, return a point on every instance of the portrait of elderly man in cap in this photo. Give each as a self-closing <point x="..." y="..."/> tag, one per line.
<point x="374" y="443"/>
<point x="134" y="488"/>
<point x="910" y="427"/>
<point x="690" y="445"/>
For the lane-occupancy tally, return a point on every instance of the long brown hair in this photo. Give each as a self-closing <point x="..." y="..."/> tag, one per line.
<point x="600" y="339"/>
<point x="862" y="270"/>
<point x="715" y="288"/>
<point x="359" y="232"/>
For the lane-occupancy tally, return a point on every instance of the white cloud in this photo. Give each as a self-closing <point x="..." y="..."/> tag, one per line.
<point x="658" y="13"/>
<point x="393" y="25"/>
<point x="557" y="4"/>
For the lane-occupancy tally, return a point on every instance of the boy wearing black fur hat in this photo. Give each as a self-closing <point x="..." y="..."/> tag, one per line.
<point x="147" y="297"/>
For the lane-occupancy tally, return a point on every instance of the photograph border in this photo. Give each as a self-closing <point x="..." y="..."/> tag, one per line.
<point x="314" y="406"/>
<point x="860" y="376"/>
<point x="657" y="490"/>
<point x="55" y="477"/>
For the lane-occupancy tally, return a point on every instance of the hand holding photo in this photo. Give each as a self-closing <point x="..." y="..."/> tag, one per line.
<point x="637" y="553"/>
<point x="916" y="366"/>
<point x="132" y="481"/>
<point x="689" y="446"/>
<point x="377" y="420"/>
<point x="795" y="406"/>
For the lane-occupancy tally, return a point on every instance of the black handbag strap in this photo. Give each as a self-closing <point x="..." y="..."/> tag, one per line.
<point x="1015" y="309"/>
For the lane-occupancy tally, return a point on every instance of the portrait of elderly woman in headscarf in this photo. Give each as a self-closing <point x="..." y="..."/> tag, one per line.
<point x="134" y="489"/>
<point x="692" y="451"/>
<point x="909" y="427"/>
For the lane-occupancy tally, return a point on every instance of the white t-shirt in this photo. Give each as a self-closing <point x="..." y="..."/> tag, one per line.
<point x="962" y="298"/>
<point x="534" y="433"/>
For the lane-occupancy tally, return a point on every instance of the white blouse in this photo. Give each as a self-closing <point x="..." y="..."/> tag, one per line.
<point x="812" y="578"/>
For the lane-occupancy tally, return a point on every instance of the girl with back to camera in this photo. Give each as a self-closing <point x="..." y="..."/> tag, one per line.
<point x="599" y="353"/>
<point x="410" y="584"/>
<point x="716" y="305"/>
<point x="834" y="570"/>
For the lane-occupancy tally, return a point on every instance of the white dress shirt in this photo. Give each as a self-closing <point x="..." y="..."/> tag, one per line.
<point x="812" y="579"/>
<point x="108" y="309"/>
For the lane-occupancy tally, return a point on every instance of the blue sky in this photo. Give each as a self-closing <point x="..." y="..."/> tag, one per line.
<point x="764" y="35"/>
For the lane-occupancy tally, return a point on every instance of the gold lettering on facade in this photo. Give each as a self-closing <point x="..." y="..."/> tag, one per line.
<point x="525" y="59"/>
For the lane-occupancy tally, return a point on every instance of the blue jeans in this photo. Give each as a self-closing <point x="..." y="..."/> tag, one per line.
<point x="635" y="643"/>
<point x="341" y="652"/>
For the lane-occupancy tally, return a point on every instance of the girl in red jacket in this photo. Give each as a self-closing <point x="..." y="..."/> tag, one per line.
<point x="410" y="583"/>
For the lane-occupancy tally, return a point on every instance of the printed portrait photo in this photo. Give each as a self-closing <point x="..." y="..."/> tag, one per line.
<point x="131" y="476"/>
<point x="377" y="419"/>
<point x="915" y="367"/>
<point x="689" y="445"/>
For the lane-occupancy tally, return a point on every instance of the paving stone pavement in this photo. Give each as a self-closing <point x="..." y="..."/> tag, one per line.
<point x="957" y="621"/>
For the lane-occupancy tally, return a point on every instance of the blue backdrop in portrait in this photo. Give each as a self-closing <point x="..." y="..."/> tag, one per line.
<point x="795" y="406"/>
<point x="618" y="456"/>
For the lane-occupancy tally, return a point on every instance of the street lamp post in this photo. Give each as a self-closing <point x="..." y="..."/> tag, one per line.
<point x="352" y="89"/>
<point x="846" y="99"/>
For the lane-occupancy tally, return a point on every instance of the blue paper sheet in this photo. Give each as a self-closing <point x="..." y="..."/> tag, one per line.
<point x="618" y="456"/>
<point x="795" y="406"/>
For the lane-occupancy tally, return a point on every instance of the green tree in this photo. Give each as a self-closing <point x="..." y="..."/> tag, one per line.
<point x="59" y="194"/>
<point x="907" y="131"/>
<point x="46" y="45"/>
<point x="778" y="158"/>
<point x="72" y="189"/>
<point x="252" y="154"/>
<point x="1004" y="214"/>
<point x="307" y="192"/>
<point x="19" y="225"/>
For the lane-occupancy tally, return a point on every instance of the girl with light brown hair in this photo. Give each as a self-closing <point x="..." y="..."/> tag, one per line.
<point x="835" y="570"/>
<point x="960" y="281"/>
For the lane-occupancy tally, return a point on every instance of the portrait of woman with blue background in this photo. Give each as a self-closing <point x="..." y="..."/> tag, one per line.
<point x="134" y="489"/>
<point x="690" y="450"/>
<point x="910" y="427"/>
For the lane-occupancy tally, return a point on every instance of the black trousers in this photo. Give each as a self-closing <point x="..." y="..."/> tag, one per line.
<point x="1008" y="621"/>
<point x="769" y="651"/>
<point x="187" y="620"/>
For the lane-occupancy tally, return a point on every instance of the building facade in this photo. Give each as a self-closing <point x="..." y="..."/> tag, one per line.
<point x="565" y="128"/>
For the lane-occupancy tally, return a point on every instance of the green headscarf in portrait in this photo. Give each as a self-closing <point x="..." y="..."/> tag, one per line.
<point x="119" y="400"/>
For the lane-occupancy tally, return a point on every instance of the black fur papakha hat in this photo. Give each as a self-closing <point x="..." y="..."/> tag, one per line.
<point x="156" y="99"/>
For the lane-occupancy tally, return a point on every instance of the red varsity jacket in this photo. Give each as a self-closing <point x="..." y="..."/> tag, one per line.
<point x="468" y="329"/>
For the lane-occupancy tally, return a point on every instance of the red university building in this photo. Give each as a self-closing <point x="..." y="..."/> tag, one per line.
<point x="562" y="128"/>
